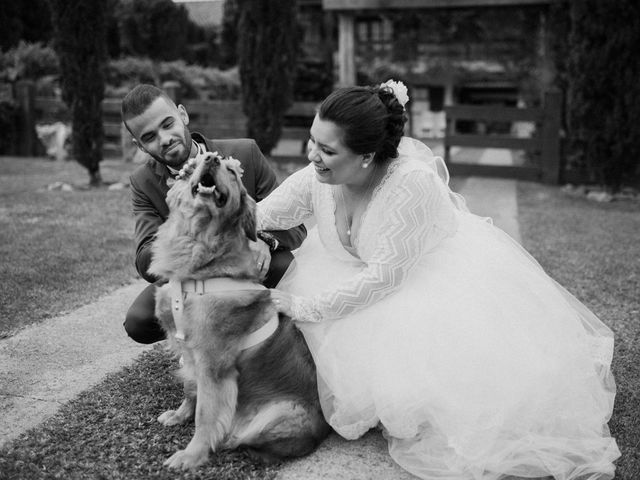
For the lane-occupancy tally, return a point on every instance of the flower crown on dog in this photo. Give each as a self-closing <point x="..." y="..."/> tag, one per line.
<point x="399" y="90"/>
<point x="190" y="165"/>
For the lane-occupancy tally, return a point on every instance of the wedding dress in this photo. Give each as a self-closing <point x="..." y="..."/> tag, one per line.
<point x="442" y="330"/>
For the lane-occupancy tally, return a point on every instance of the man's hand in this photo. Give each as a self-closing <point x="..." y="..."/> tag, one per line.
<point x="261" y="255"/>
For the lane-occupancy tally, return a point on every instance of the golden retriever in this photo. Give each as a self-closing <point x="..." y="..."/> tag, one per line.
<point x="261" y="395"/>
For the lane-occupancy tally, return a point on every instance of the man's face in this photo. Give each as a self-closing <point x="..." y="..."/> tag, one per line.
<point x="161" y="131"/>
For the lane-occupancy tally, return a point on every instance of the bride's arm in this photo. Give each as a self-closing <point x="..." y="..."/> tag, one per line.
<point x="289" y="204"/>
<point x="418" y="216"/>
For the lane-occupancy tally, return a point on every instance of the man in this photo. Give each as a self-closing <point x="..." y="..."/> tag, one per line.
<point x="160" y="128"/>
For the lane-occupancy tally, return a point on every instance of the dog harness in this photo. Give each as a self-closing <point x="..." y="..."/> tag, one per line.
<point x="180" y="289"/>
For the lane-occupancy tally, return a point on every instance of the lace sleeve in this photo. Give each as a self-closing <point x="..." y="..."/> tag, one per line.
<point x="289" y="204"/>
<point x="418" y="215"/>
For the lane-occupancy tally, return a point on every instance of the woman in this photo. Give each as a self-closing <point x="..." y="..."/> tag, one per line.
<point x="429" y="321"/>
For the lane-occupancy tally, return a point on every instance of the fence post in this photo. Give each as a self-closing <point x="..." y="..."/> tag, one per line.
<point x="448" y="130"/>
<point x="550" y="161"/>
<point x="172" y="88"/>
<point x="25" y="97"/>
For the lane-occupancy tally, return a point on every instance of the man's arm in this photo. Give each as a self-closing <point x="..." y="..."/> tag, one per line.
<point x="147" y="221"/>
<point x="266" y="182"/>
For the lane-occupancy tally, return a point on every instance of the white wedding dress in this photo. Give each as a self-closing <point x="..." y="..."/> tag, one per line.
<point x="443" y="330"/>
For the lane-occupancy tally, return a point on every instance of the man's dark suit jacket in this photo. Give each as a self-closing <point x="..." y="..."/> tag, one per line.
<point x="149" y="191"/>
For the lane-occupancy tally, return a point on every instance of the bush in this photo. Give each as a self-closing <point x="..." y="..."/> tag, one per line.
<point x="155" y="29"/>
<point x="28" y="61"/>
<point x="202" y="83"/>
<point x="129" y="71"/>
<point x="24" y="21"/>
<point x="196" y="82"/>
<point x="314" y="81"/>
<point x="602" y="78"/>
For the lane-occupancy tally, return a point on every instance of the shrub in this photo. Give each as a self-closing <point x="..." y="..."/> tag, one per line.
<point x="28" y="61"/>
<point x="195" y="81"/>
<point x="155" y="29"/>
<point x="203" y="83"/>
<point x="218" y="84"/>
<point x="24" y="21"/>
<point x="602" y="78"/>
<point x="129" y="71"/>
<point x="314" y="81"/>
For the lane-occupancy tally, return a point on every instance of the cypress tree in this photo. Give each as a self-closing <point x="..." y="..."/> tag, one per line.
<point x="157" y="29"/>
<point x="80" y="41"/>
<point x="603" y="88"/>
<point x="229" y="35"/>
<point x="267" y="52"/>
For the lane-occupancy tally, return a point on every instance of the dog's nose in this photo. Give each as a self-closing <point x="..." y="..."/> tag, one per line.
<point x="213" y="159"/>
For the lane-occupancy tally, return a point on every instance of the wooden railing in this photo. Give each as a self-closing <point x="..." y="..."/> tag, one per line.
<point x="214" y="118"/>
<point x="545" y="144"/>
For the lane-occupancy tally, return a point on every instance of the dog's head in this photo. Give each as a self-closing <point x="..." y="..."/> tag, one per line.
<point x="210" y="217"/>
<point x="209" y="188"/>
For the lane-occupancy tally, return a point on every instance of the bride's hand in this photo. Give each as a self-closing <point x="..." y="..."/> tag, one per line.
<point x="282" y="301"/>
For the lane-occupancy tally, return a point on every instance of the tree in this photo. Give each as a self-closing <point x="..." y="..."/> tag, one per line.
<point x="80" y="41"/>
<point x="157" y="29"/>
<point x="229" y="35"/>
<point x="603" y="88"/>
<point x="23" y="21"/>
<point x="267" y="51"/>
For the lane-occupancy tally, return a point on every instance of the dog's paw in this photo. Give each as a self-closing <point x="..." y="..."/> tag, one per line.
<point x="170" y="417"/>
<point x="185" y="460"/>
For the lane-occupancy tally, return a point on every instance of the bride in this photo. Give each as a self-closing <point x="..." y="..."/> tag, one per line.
<point x="430" y="322"/>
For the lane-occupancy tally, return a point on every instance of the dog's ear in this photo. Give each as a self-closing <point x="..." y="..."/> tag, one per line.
<point x="248" y="217"/>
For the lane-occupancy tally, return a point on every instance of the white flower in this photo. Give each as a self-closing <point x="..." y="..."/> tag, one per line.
<point x="187" y="169"/>
<point x="399" y="90"/>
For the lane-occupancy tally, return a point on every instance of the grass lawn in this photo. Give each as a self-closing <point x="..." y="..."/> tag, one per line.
<point x="594" y="251"/>
<point x="59" y="249"/>
<point x="110" y="431"/>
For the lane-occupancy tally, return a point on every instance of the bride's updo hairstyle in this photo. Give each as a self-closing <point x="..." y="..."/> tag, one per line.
<point x="371" y="118"/>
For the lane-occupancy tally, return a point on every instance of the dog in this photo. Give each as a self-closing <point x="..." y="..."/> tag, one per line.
<point x="249" y="377"/>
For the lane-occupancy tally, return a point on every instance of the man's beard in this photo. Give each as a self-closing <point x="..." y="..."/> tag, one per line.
<point x="177" y="162"/>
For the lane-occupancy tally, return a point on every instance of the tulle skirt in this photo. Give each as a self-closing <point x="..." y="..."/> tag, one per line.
<point x="479" y="366"/>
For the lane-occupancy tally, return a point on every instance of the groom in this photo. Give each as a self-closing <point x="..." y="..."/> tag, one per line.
<point x="159" y="128"/>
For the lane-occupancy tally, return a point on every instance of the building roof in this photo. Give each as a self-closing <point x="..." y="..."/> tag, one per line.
<point x="206" y="13"/>
<point x="403" y="4"/>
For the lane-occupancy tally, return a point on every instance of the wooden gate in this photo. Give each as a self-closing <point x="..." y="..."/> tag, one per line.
<point x="543" y="146"/>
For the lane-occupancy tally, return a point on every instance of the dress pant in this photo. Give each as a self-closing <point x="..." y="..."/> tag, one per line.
<point x="141" y="323"/>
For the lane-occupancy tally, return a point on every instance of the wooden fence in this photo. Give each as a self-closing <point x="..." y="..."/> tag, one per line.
<point x="224" y="119"/>
<point x="544" y="145"/>
<point x="214" y="118"/>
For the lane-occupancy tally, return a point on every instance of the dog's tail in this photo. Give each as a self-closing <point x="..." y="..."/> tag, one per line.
<point x="280" y="430"/>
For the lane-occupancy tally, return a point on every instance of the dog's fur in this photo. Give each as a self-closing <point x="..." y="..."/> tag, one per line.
<point x="265" y="397"/>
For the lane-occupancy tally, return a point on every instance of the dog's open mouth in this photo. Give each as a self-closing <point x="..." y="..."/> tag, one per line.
<point x="206" y="186"/>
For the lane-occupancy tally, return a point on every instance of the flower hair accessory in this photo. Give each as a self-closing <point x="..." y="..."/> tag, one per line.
<point x="235" y="163"/>
<point x="187" y="169"/>
<point x="399" y="89"/>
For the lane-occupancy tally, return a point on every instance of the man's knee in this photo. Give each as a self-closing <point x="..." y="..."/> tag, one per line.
<point x="140" y="322"/>
<point x="280" y="261"/>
